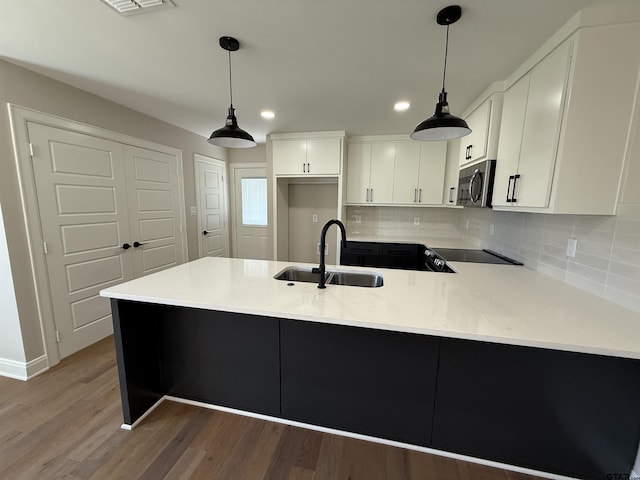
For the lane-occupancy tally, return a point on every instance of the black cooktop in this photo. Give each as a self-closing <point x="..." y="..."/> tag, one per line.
<point x="474" y="256"/>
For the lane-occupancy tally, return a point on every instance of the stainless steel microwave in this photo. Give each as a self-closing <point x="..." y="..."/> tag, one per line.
<point x="475" y="184"/>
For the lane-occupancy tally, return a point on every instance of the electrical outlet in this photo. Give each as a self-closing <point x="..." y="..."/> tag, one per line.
<point x="314" y="218"/>
<point x="193" y="211"/>
<point x="358" y="218"/>
<point x="572" y="244"/>
<point x="491" y="229"/>
<point x="416" y="220"/>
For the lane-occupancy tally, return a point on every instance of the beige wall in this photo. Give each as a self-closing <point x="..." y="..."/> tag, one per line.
<point x="27" y="89"/>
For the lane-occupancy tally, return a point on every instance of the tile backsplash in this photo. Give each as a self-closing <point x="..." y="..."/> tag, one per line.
<point x="607" y="260"/>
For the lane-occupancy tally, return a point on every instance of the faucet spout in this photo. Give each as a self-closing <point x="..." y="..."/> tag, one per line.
<point x="323" y="242"/>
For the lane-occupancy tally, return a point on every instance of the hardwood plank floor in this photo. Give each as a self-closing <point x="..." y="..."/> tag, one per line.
<point x="65" y="424"/>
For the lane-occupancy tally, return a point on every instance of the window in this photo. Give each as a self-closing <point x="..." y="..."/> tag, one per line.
<point x="254" y="201"/>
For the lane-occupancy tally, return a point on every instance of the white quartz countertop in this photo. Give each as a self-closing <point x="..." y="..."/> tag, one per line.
<point x="495" y="303"/>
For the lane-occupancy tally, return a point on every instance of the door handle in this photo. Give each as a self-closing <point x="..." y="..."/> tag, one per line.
<point x="126" y="246"/>
<point x="205" y="232"/>
<point x="513" y="192"/>
<point x="138" y="244"/>
<point x="509" y="188"/>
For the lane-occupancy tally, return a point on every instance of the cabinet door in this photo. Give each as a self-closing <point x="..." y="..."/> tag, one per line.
<point x="542" y="128"/>
<point x="433" y="157"/>
<point x="474" y="146"/>
<point x="360" y="380"/>
<point x="405" y="178"/>
<point x="537" y="408"/>
<point x="323" y="156"/>
<point x="289" y="157"/>
<point x="511" y="127"/>
<point x="358" y="170"/>
<point x="382" y="166"/>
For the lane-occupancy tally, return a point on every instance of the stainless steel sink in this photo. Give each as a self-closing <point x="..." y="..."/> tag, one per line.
<point x="354" y="279"/>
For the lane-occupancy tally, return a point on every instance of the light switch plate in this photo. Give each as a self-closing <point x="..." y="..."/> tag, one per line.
<point x="416" y="220"/>
<point x="358" y="218"/>
<point x="314" y="218"/>
<point x="193" y="211"/>
<point x="572" y="244"/>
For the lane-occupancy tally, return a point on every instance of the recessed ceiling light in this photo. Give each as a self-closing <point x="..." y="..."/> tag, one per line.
<point x="268" y="114"/>
<point x="401" y="106"/>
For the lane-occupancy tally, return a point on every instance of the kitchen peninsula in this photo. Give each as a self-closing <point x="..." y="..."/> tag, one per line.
<point x="495" y="362"/>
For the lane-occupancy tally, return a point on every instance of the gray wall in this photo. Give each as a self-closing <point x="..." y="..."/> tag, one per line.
<point x="27" y="89"/>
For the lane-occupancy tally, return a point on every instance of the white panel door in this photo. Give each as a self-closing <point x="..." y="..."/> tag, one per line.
<point x="251" y="219"/>
<point x="80" y="184"/>
<point x="212" y="209"/>
<point x="155" y="215"/>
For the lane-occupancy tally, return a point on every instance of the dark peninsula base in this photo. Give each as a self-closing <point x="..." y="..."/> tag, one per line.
<point x="566" y="413"/>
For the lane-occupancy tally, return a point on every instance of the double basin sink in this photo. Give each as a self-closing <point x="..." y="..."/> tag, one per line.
<point x="354" y="279"/>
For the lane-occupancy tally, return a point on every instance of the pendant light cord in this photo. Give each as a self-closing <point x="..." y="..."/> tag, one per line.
<point x="446" y="53"/>
<point x="230" y="84"/>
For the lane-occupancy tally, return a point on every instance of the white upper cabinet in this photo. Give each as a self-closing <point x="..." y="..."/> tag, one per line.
<point x="370" y="172"/>
<point x="398" y="172"/>
<point x="532" y="112"/>
<point x="484" y="122"/>
<point x="565" y="125"/>
<point x="419" y="173"/>
<point x="306" y="156"/>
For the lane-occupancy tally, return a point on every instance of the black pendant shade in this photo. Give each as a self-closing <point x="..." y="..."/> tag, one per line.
<point x="231" y="135"/>
<point x="442" y="125"/>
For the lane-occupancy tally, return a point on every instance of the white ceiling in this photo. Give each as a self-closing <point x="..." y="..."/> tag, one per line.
<point x="319" y="64"/>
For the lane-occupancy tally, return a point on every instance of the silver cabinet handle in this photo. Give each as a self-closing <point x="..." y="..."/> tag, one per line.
<point x="304" y="168"/>
<point x="371" y="195"/>
<point x="308" y="168"/>
<point x="367" y="196"/>
<point x="451" y="190"/>
<point x="415" y="195"/>
<point x="419" y="195"/>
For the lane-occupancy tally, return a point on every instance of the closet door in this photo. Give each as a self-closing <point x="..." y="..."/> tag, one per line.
<point x="153" y="194"/>
<point x="80" y="184"/>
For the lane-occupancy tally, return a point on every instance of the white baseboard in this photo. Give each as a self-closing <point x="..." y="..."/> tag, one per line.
<point x="23" y="370"/>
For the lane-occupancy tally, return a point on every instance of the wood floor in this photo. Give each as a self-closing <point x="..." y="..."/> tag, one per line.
<point x="65" y="424"/>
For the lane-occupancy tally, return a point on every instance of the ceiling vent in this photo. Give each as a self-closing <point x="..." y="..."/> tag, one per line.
<point x="130" y="7"/>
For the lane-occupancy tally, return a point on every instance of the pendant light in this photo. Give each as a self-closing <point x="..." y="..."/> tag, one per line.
<point x="442" y="125"/>
<point x="231" y="135"/>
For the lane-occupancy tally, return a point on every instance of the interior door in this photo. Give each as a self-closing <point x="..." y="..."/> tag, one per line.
<point x="251" y="219"/>
<point x="155" y="216"/>
<point x="80" y="184"/>
<point x="212" y="209"/>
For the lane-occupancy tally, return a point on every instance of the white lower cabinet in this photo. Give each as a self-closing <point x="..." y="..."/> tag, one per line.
<point x="565" y="125"/>
<point x="402" y="172"/>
